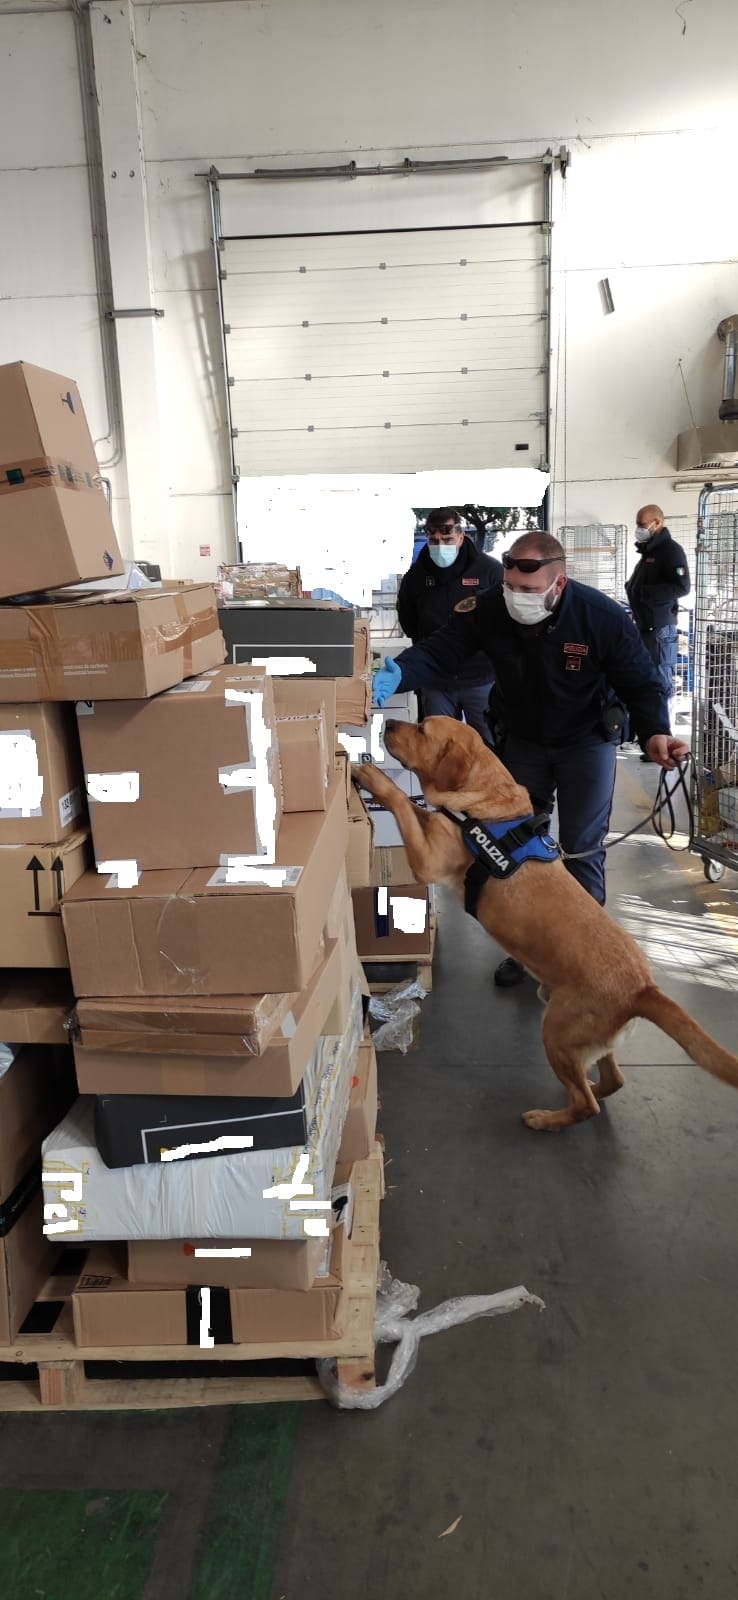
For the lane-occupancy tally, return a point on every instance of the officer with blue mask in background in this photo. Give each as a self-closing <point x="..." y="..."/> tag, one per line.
<point x="569" y="668"/>
<point x="448" y="570"/>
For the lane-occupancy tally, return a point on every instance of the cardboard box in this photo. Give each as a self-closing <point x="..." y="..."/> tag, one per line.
<point x="393" y="917"/>
<point x="278" y="1071"/>
<point x="296" y="697"/>
<point x="36" y="1091"/>
<point x="351" y="975"/>
<point x="362" y="648"/>
<point x="222" y="1025"/>
<point x="121" y="646"/>
<point x="55" y="526"/>
<point x="303" y="759"/>
<point x="342" y="764"/>
<point x="32" y="880"/>
<point x="210" y="745"/>
<point x="34" y="1007"/>
<point x="360" y="1129"/>
<point x="41" y="792"/>
<point x="301" y="638"/>
<point x="137" y="1129"/>
<point x="360" y="847"/>
<point x="354" y="700"/>
<point x="26" y="1255"/>
<point x="196" y="933"/>
<point x="259" y="580"/>
<point x="109" y="1311"/>
<point x="272" y="1263"/>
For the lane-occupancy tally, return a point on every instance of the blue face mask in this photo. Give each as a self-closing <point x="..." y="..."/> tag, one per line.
<point x="444" y="555"/>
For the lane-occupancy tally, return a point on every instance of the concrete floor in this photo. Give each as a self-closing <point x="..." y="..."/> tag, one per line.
<point x="590" y="1449"/>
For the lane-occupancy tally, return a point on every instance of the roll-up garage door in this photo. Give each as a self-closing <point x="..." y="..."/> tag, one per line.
<point x="400" y="351"/>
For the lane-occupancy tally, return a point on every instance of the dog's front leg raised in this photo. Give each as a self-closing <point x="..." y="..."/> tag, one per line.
<point x="419" y="828"/>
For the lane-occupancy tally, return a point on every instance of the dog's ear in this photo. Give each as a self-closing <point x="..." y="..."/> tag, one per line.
<point x="453" y="768"/>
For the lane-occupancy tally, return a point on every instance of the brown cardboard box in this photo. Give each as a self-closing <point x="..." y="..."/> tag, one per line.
<point x="278" y="1072"/>
<point x="32" y="879"/>
<point x="26" y="1259"/>
<point x="35" y="1093"/>
<point x="55" y="526"/>
<point x="34" y="1007"/>
<point x="196" y="745"/>
<point x="354" y="700"/>
<point x="381" y="911"/>
<point x="360" y="1129"/>
<point x="222" y="1025"/>
<point x="41" y="793"/>
<point x="342" y="764"/>
<point x="303" y="758"/>
<point x="121" y="646"/>
<point x="351" y="972"/>
<point x="273" y="1263"/>
<point x="179" y="933"/>
<point x="339" y="906"/>
<point x="360" y="849"/>
<point x="362" y="650"/>
<point x="300" y="697"/>
<point x="109" y="1311"/>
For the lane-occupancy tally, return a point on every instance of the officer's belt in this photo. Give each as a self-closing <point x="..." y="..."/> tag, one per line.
<point x="501" y="848"/>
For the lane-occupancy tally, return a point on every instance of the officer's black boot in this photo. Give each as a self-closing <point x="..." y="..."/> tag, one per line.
<point x="509" y="973"/>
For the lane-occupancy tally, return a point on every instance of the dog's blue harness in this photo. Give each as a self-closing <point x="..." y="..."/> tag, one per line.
<point x="501" y="848"/>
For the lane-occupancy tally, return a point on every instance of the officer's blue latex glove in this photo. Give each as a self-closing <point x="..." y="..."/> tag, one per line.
<point x="387" y="681"/>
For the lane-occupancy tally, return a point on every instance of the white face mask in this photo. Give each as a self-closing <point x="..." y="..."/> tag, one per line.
<point x="444" y="555"/>
<point x="529" y="608"/>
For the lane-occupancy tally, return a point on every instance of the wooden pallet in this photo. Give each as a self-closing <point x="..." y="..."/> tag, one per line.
<point x="63" y="1382"/>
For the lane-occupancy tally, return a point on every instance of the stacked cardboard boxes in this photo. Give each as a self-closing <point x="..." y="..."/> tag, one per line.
<point x="177" y="838"/>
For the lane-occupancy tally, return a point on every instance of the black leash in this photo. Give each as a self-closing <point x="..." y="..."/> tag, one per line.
<point x="664" y="803"/>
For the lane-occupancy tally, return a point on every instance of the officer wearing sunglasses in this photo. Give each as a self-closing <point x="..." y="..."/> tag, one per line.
<point x="568" y="666"/>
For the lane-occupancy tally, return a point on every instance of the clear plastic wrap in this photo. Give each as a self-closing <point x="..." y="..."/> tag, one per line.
<point x="396" y="1011"/>
<point x="394" y="1302"/>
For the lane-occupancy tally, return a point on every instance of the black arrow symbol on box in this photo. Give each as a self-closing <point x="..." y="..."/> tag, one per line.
<point x="57" y="866"/>
<point x="35" y="866"/>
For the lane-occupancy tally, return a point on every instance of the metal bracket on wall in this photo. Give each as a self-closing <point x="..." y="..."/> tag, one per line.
<point x="146" y="311"/>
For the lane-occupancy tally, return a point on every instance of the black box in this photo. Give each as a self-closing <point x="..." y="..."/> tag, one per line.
<point x="319" y="630"/>
<point x="134" y="1129"/>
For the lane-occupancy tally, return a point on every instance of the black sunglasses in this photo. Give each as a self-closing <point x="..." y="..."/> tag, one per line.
<point x="527" y="563"/>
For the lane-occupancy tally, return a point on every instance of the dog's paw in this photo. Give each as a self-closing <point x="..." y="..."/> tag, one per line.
<point x="542" y="1121"/>
<point x="365" y="776"/>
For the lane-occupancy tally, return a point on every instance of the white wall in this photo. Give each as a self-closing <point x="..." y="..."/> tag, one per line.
<point x="647" y="109"/>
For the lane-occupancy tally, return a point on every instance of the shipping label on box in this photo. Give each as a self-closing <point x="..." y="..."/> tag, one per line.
<point x="41" y="785"/>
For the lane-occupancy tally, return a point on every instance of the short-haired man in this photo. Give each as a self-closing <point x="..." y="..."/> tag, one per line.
<point x="656" y="585"/>
<point x="448" y="570"/>
<point x="568" y="663"/>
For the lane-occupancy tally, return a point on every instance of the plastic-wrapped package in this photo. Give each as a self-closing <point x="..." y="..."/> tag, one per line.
<point x="396" y="1011"/>
<point x="394" y="1301"/>
<point x="8" y="1053"/>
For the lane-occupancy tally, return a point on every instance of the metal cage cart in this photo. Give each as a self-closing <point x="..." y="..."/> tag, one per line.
<point x="595" y="554"/>
<point x="715" y="706"/>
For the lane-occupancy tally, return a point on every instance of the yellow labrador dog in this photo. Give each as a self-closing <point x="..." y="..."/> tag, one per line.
<point x="593" y="974"/>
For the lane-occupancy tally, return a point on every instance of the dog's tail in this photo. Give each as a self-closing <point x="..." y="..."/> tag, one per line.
<point x="705" y="1051"/>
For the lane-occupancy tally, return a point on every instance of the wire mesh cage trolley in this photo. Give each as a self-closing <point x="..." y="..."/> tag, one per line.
<point x="595" y="554"/>
<point x="715" y="703"/>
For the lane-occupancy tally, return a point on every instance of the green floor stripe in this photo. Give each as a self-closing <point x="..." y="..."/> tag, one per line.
<point x="76" y="1545"/>
<point x="240" y="1540"/>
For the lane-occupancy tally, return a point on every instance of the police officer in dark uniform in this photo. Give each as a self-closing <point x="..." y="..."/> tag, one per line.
<point x="448" y="570"/>
<point x="654" y="589"/>
<point x="568" y="664"/>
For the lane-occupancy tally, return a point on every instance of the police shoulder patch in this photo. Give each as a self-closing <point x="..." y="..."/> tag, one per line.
<point x="469" y="604"/>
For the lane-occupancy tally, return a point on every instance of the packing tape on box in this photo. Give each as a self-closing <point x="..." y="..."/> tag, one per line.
<point x="21" y="783"/>
<point x="43" y="472"/>
<point x="114" y="788"/>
